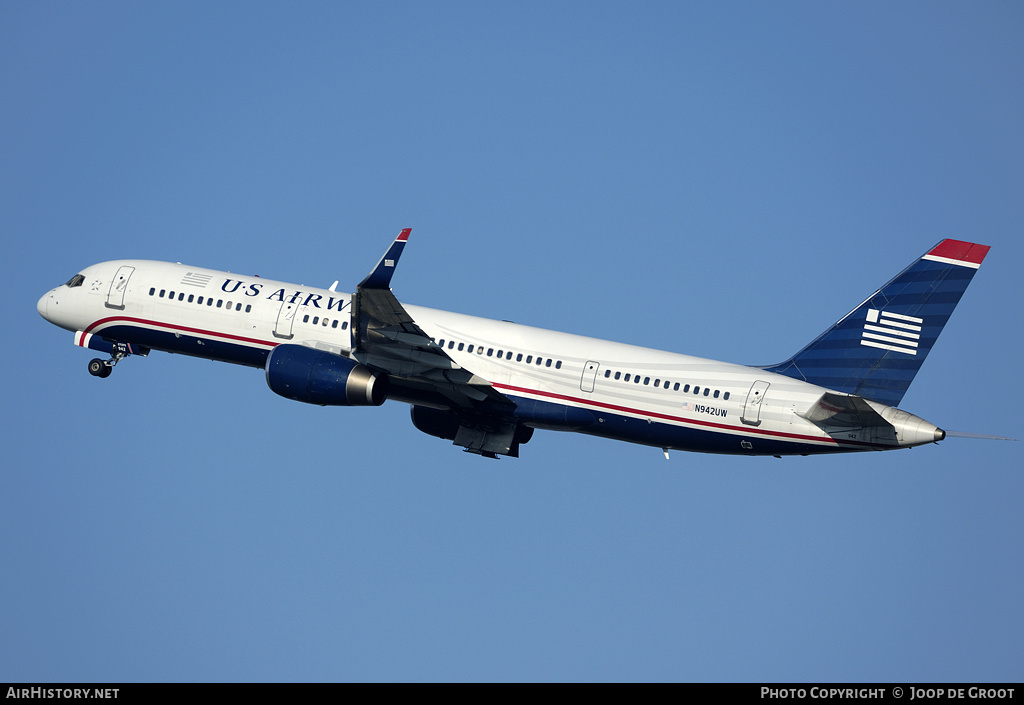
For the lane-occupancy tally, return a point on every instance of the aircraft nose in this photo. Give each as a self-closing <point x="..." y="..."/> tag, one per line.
<point x="41" y="306"/>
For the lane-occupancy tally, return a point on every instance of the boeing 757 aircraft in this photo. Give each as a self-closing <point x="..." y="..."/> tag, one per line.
<point x="486" y="385"/>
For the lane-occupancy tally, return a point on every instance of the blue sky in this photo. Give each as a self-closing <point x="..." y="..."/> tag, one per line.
<point x="719" y="179"/>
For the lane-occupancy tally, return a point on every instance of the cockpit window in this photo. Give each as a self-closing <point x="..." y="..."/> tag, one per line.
<point x="75" y="281"/>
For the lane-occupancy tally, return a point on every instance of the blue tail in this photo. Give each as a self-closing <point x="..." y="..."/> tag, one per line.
<point x="876" y="349"/>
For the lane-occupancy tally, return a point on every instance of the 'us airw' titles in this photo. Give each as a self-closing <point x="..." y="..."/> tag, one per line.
<point x="231" y="286"/>
<point x="891" y="331"/>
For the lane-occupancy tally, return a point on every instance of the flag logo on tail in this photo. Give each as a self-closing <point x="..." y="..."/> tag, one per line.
<point x="891" y="331"/>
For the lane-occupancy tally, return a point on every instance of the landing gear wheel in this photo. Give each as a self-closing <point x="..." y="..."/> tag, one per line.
<point x="99" y="368"/>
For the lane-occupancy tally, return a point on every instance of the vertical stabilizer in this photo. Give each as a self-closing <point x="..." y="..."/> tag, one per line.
<point x="877" y="348"/>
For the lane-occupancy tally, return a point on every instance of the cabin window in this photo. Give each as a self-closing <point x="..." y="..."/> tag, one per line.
<point x="726" y="396"/>
<point x="529" y="359"/>
<point x="675" y="387"/>
<point x="248" y="308"/>
<point x="607" y="374"/>
<point x="617" y="374"/>
<point x="716" y="394"/>
<point x="707" y="390"/>
<point x="334" y="323"/>
<point x="316" y="319"/>
<point x="461" y="346"/>
<point x="696" y="390"/>
<point x="162" y="292"/>
<point x="191" y="298"/>
<point x="151" y="291"/>
<point x="626" y="378"/>
<point x="558" y="365"/>
<point x="519" y="357"/>
<point x="181" y="296"/>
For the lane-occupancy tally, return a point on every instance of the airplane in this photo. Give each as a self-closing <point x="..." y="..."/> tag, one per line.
<point x="487" y="385"/>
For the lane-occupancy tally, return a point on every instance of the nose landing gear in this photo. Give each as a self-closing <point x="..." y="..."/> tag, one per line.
<point x="100" y="368"/>
<point x="103" y="368"/>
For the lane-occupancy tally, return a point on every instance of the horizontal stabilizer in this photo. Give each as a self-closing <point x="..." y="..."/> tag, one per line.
<point x="876" y="350"/>
<point x="843" y="410"/>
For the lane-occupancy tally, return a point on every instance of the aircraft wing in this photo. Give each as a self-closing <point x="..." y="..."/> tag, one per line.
<point x="387" y="338"/>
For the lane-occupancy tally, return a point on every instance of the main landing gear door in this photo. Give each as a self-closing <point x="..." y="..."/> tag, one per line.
<point x="752" y="408"/>
<point x="119" y="285"/>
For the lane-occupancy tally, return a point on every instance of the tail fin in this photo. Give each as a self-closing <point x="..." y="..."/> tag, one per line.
<point x="876" y="349"/>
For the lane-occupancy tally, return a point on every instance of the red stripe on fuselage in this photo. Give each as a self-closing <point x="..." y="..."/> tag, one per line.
<point x="174" y="326"/>
<point x="679" y="419"/>
<point x="551" y="395"/>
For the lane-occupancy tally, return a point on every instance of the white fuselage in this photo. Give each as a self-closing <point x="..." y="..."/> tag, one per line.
<point x="658" y="398"/>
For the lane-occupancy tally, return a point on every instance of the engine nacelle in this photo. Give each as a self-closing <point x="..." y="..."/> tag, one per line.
<point x="486" y="435"/>
<point x="434" y="422"/>
<point x="318" y="377"/>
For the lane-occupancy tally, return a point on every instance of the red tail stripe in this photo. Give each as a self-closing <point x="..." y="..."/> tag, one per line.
<point x="961" y="251"/>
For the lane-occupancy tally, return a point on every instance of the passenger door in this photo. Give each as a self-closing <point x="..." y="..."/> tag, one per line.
<point x="752" y="407"/>
<point x="285" y="320"/>
<point x="589" y="375"/>
<point x="118" y="287"/>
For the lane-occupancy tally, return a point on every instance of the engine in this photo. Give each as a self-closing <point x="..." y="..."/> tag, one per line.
<point x="318" y="377"/>
<point x="489" y="436"/>
<point x="434" y="422"/>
